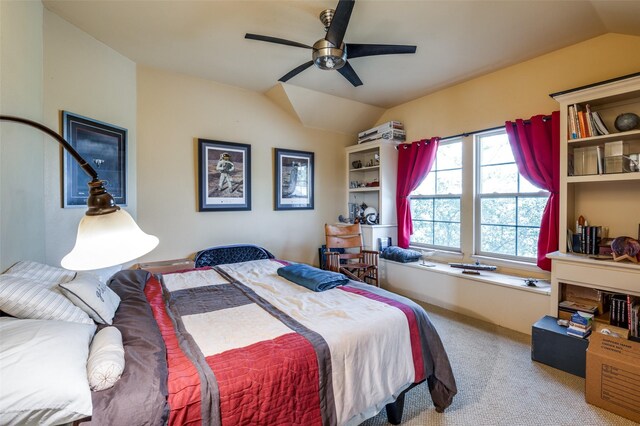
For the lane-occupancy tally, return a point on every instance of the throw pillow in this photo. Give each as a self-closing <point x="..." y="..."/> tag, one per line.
<point x="106" y="359"/>
<point x="93" y="296"/>
<point x="24" y="298"/>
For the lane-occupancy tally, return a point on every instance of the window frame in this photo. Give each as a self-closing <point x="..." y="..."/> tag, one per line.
<point x="434" y="197"/>
<point x="478" y="197"/>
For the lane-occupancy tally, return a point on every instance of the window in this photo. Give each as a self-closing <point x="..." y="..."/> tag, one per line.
<point x="510" y="208"/>
<point x="505" y="219"/>
<point x="435" y="204"/>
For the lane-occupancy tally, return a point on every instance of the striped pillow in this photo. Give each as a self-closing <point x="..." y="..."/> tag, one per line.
<point x="47" y="275"/>
<point x="24" y="298"/>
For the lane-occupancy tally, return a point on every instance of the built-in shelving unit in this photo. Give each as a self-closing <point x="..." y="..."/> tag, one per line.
<point x="610" y="200"/>
<point x="371" y="179"/>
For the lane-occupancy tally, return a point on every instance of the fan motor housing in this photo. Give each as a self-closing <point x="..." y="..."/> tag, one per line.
<point x="326" y="56"/>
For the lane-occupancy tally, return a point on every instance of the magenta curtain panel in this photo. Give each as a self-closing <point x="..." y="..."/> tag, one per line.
<point x="414" y="164"/>
<point x="536" y="147"/>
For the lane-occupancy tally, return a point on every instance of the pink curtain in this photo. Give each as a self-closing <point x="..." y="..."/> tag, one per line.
<point x="536" y="148"/>
<point x="414" y="164"/>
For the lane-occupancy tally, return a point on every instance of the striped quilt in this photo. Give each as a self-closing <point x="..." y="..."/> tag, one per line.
<point x="246" y="346"/>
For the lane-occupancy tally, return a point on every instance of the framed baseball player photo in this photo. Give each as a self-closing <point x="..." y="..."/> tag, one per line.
<point x="294" y="180"/>
<point x="104" y="146"/>
<point x="224" y="176"/>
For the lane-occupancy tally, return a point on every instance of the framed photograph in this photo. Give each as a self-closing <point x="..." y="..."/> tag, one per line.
<point x="294" y="180"/>
<point x="104" y="147"/>
<point x="224" y="176"/>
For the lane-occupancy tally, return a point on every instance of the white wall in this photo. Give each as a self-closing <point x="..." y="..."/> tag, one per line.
<point x="173" y="112"/>
<point x="21" y="148"/>
<point x="86" y="77"/>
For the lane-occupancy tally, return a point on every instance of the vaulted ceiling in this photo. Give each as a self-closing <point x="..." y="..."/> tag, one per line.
<point x="456" y="40"/>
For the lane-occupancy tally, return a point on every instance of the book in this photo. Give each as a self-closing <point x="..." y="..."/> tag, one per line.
<point x="631" y="303"/>
<point x="600" y="156"/>
<point x="389" y="125"/>
<point x="618" y="313"/>
<point x="571" y="120"/>
<point x="600" y="126"/>
<point x="589" y="120"/>
<point x="635" y="320"/>
<point x="582" y="120"/>
<point x="570" y="306"/>
<point x="579" y="327"/>
<point x="578" y="333"/>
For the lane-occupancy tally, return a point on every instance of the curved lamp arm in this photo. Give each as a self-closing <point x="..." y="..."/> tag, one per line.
<point x="107" y="235"/>
<point x="85" y="166"/>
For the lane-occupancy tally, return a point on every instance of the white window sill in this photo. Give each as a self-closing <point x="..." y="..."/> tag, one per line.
<point x="511" y="264"/>
<point x="488" y="277"/>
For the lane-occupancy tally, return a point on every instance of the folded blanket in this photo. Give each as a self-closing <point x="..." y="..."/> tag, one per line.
<point x="312" y="278"/>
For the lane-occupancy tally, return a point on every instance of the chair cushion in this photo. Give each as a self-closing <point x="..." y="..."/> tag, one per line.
<point x="399" y="254"/>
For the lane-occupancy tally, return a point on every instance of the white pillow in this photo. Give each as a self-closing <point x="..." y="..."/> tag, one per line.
<point x="43" y="274"/>
<point x="24" y="298"/>
<point x="91" y="295"/>
<point x="105" y="273"/>
<point x="43" y="370"/>
<point x="106" y="359"/>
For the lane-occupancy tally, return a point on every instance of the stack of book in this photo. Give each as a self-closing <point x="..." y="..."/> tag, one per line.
<point x="392" y="131"/>
<point x="567" y="308"/>
<point x="584" y="123"/>
<point x="580" y="324"/>
<point x="590" y="239"/>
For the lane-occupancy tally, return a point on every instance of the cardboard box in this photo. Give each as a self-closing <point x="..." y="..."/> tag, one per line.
<point x="621" y="332"/>
<point x="613" y="375"/>
<point x="551" y="345"/>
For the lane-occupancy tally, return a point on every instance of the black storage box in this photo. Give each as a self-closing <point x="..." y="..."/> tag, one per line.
<point x="551" y="345"/>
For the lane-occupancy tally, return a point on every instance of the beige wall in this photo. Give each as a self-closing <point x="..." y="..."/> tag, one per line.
<point x="86" y="77"/>
<point x="21" y="147"/>
<point x="519" y="91"/>
<point x="173" y="112"/>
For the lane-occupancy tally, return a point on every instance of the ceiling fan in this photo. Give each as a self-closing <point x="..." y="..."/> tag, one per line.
<point x="330" y="53"/>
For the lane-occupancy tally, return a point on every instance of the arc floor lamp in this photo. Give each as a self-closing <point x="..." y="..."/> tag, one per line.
<point x="107" y="235"/>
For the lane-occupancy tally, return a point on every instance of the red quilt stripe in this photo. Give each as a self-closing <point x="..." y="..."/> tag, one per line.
<point x="184" y="381"/>
<point x="273" y="382"/>
<point x="414" y="331"/>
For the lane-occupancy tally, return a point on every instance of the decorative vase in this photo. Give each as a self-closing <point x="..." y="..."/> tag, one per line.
<point x="627" y="121"/>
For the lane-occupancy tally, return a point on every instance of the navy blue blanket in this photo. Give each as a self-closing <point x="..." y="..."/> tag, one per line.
<point x="312" y="278"/>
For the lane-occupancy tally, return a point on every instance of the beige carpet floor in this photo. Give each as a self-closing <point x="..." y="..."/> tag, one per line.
<point x="498" y="383"/>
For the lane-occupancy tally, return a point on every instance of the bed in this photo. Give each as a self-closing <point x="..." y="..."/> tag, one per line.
<point x="236" y="343"/>
<point x="246" y="346"/>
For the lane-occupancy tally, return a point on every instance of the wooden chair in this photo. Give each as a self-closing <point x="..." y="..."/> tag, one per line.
<point x="356" y="263"/>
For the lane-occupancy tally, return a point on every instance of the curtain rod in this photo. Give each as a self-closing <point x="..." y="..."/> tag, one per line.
<point x="465" y="134"/>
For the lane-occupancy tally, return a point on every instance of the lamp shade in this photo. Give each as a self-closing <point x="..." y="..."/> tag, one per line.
<point x="106" y="240"/>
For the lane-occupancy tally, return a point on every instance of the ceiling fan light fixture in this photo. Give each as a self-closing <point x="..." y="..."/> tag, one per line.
<point x="328" y="57"/>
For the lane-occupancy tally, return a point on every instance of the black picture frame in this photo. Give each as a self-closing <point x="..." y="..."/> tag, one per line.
<point x="104" y="147"/>
<point x="224" y="175"/>
<point x="294" y="185"/>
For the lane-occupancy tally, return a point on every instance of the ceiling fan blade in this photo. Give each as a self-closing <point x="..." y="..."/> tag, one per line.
<point x="339" y="23"/>
<point x="350" y="75"/>
<point x="360" y="50"/>
<point x="295" y="71"/>
<point x="276" y="40"/>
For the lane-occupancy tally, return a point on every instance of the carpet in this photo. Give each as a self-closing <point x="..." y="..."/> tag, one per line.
<point x="498" y="383"/>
